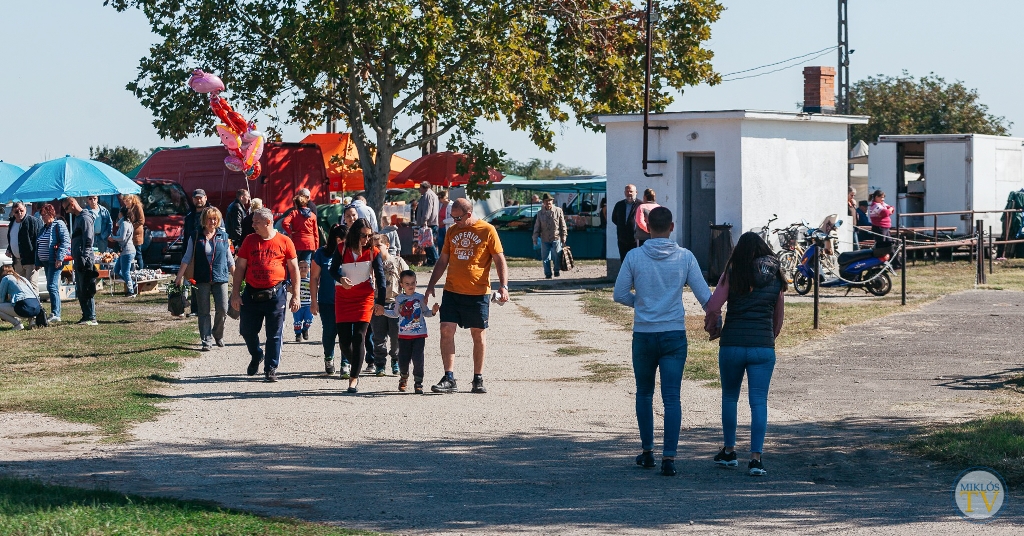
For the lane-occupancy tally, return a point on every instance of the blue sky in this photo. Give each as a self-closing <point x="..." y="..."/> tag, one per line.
<point x="64" y="65"/>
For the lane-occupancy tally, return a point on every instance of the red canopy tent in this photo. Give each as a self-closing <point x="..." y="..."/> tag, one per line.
<point x="439" y="170"/>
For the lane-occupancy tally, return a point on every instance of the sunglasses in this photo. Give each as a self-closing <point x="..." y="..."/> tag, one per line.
<point x="459" y="218"/>
<point x="364" y="236"/>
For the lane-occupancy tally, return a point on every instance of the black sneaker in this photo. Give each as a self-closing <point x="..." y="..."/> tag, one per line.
<point x="478" y="386"/>
<point x="645" y="460"/>
<point x="446" y="385"/>
<point x="668" y="467"/>
<point x="726" y="459"/>
<point x="271" y="374"/>
<point x="298" y="337"/>
<point x="254" y="366"/>
<point x="329" y="366"/>
<point x="756" y="468"/>
<point x="418" y="388"/>
<point x="305" y="334"/>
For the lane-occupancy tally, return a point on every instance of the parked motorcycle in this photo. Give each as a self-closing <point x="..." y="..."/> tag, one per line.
<point x="863" y="269"/>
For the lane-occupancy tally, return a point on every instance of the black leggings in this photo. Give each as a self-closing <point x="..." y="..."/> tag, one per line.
<point x="351" y="337"/>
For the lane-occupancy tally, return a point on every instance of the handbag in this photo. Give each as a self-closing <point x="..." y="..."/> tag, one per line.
<point x="177" y="298"/>
<point x="566" y="260"/>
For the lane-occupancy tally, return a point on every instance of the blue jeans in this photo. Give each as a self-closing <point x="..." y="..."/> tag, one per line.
<point x="664" y="350"/>
<point x="302" y="319"/>
<point x="254" y="316"/>
<point x="551" y="252"/>
<point x="53" y="286"/>
<point x="330" y="332"/>
<point x="123" y="269"/>
<point x="432" y="250"/>
<point x="758" y="363"/>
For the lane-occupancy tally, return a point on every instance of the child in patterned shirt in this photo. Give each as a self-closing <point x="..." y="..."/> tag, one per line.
<point x="303" y="318"/>
<point x="411" y="311"/>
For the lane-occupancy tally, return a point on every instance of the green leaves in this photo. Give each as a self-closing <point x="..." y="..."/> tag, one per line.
<point x="384" y="66"/>
<point x="929" y="105"/>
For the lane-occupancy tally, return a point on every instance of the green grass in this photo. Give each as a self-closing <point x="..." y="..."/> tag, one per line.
<point x="578" y="350"/>
<point x="601" y="372"/>
<point x="996" y="442"/>
<point x="556" y="336"/>
<point x="28" y="507"/>
<point x="106" y="375"/>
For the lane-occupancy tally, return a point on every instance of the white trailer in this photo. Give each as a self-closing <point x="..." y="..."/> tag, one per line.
<point x="961" y="172"/>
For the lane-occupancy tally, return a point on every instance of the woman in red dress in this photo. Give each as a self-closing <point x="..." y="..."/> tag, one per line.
<point x="358" y="269"/>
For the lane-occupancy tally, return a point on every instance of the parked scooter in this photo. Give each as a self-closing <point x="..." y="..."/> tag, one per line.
<point x="864" y="269"/>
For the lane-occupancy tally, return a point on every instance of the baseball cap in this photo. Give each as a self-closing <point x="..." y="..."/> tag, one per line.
<point x="199" y="192"/>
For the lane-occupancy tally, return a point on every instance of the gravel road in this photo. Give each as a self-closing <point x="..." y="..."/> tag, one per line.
<point x="545" y="451"/>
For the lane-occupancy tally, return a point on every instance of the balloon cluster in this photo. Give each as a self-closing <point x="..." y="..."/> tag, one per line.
<point x="240" y="137"/>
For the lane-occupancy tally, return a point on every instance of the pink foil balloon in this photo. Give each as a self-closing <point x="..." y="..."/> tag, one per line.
<point x="205" y="82"/>
<point x="228" y="137"/>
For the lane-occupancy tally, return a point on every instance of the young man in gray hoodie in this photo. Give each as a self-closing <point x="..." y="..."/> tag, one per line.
<point x="651" y="281"/>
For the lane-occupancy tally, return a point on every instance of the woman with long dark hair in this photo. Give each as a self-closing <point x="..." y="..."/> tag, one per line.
<point x="358" y="269"/>
<point x="753" y="285"/>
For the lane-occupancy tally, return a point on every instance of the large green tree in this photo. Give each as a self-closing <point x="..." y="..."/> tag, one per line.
<point x="123" y="159"/>
<point x="387" y="68"/>
<point x="928" y="105"/>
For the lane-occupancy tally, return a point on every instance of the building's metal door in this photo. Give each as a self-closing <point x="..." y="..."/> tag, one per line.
<point x="947" y="182"/>
<point x="700" y="207"/>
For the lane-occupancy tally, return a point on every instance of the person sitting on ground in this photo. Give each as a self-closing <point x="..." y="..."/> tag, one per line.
<point x="303" y="318"/>
<point x="384" y="329"/>
<point x="651" y="281"/>
<point x="409" y="312"/>
<point x="321" y="292"/>
<point x="753" y="285"/>
<point x="18" y="298"/>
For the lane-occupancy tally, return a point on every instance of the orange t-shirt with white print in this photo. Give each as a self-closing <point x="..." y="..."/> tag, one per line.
<point x="469" y="263"/>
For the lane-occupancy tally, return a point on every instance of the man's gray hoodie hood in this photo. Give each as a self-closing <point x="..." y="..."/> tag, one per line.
<point x="651" y="280"/>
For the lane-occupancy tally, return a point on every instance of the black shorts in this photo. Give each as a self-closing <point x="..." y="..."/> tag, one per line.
<point x="465" y="310"/>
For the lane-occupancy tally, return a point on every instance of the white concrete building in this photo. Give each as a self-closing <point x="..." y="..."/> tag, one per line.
<point x="735" y="166"/>
<point x="961" y="172"/>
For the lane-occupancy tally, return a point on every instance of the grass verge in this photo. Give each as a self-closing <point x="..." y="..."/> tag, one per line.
<point x="578" y="350"/>
<point x="996" y="442"/>
<point x="106" y="375"/>
<point x="601" y="372"/>
<point x="28" y="507"/>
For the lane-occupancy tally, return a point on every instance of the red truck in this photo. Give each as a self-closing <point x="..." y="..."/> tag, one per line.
<point x="169" y="176"/>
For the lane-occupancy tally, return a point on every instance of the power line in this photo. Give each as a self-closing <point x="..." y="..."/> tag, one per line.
<point x="833" y="47"/>
<point x="827" y="51"/>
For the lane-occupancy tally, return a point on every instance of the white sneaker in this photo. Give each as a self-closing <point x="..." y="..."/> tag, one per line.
<point x="52" y="319"/>
<point x="18" y="327"/>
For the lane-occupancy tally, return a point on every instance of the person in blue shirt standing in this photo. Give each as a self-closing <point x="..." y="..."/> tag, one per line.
<point x="651" y="281"/>
<point x="103" y="224"/>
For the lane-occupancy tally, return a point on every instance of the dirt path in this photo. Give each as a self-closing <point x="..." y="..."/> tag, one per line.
<point x="543" y="452"/>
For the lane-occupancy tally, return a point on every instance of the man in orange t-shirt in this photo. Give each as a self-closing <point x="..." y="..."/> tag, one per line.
<point x="470" y="247"/>
<point x="265" y="259"/>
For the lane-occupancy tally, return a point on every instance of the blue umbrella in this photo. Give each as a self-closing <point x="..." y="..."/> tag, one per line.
<point x="68" y="177"/>
<point x="8" y="174"/>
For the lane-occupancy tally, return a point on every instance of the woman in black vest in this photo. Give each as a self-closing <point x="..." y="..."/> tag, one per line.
<point x="212" y="267"/>
<point x="753" y="285"/>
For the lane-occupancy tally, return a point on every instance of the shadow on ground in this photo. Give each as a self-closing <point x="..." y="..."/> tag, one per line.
<point x="819" y="475"/>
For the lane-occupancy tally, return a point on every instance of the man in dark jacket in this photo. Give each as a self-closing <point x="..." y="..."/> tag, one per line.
<point x="623" y="217"/>
<point x="237" y="212"/>
<point x="82" y="234"/>
<point x="21" y="240"/>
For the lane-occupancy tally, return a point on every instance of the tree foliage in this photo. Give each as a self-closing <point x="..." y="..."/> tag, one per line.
<point x="929" y="105"/>
<point x="388" y="67"/>
<point x="123" y="159"/>
<point x="535" y="168"/>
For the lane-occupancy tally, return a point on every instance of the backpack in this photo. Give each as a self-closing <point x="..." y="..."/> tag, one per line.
<point x="566" y="260"/>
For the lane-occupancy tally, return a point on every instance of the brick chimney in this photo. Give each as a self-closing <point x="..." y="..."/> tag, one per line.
<point x="819" y="90"/>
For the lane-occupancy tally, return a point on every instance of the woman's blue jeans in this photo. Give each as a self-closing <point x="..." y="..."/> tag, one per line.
<point x="53" y="286"/>
<point x="666" y="351"/>
<point x="123" y="269"/>
<point x="758" y="364"/>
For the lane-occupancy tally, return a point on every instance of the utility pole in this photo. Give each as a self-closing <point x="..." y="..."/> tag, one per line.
<point x="650" y="17"/>
<point x="843" y="69"/>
